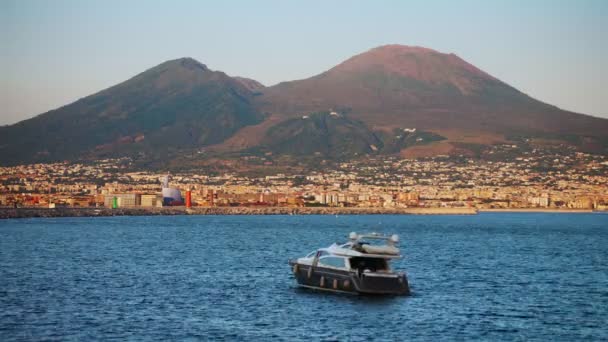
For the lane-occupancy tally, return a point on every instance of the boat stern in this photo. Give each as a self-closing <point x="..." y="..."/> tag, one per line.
<point x="383" y="283"/>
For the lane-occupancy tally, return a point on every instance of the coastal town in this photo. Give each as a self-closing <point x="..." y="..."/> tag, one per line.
<point x="536" y="179"/>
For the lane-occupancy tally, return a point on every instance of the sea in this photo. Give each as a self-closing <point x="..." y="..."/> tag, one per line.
<point x="492" y="276"/>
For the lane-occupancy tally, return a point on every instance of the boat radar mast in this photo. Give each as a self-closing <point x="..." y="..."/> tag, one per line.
<point x="392" y="240"/>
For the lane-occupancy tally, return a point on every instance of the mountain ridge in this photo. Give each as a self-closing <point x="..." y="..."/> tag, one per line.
<point x="182" y="105"/>
<point x="392" y="84"/>
<point x="175" y="105"/>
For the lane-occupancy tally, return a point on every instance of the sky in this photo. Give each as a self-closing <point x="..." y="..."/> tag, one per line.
<point x="55" y="52"/>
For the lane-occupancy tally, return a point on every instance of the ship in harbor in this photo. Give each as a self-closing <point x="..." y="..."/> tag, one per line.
<point x="170" y="196"/>
<point x="359" y="266"/>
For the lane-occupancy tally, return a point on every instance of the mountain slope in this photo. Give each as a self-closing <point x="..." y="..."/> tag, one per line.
<point x="336" y="136"/>
<point x="396" y="85"/>
<point x="393" y="98"/>
<point x="250" y="84"/>
<point x="330" y="135"/>
<point x="175" y="105"/>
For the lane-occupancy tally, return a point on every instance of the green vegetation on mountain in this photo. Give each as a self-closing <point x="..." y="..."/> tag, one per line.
<point x="406" y="137"/>
<point x="331" y="135"/>
<point x="336" y="136"/>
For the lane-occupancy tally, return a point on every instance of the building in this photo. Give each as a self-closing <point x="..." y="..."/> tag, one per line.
<point x="149" y="201"/>
<point x="122" y="200"/>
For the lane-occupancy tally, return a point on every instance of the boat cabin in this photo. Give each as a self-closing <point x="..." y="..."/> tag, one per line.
<point x="343" y="262"/>
<point x="356" y="266"/>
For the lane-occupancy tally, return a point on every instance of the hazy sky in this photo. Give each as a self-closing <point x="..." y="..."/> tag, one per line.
<point x="54" y="52"/>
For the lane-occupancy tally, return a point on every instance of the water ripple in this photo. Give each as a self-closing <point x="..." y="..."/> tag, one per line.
<point x="489" y="277"/>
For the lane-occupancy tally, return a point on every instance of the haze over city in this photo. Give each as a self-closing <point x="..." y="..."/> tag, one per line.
<point x="57" y="52"/>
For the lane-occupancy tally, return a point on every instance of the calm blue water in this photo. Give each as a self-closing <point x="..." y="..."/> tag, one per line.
<point x="490" y="277"/>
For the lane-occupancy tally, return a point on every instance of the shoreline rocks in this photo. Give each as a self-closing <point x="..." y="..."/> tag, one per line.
<point x="13" y="213"/>
<point x="7" y="213"/>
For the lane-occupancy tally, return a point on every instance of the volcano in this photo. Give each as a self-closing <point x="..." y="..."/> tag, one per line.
<point x="392" y="99"/>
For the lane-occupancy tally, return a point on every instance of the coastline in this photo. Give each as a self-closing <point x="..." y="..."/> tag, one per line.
<point x="11" y="213"/>
<point x="15" y="213"/>
<point x="538" y="210"/>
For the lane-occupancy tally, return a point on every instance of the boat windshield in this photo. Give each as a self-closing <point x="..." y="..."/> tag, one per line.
<point x="313" y="253"/>
<point x="333" y="261"/>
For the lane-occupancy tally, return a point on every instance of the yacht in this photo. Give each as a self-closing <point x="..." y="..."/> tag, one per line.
<point x="359" y="266"/>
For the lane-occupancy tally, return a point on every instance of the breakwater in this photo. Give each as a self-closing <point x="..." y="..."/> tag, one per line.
<point x="536" y="210"/>
<point x="6" y="213"/>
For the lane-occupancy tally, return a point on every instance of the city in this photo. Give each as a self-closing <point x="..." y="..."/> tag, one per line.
<point x="534" y="179"/>
<point x="303" y="170"/>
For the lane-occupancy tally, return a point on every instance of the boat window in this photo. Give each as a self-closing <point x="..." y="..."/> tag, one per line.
<point x="333" y="262"/>
<point x="371" y="264"/>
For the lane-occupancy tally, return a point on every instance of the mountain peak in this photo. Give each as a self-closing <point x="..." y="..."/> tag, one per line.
<point x="417" y="63"/>
<point x="398" y="48"/>
<point x="186" y="62"/>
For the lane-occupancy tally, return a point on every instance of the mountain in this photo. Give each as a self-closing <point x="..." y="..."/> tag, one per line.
<point x="400" y="86"/>
<point x="324" y="133"/>
<point x="250" y="84"/>
<point x="391" y="99"/>
<point x="333" y="135"/>
<point x="176" y="105"/>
